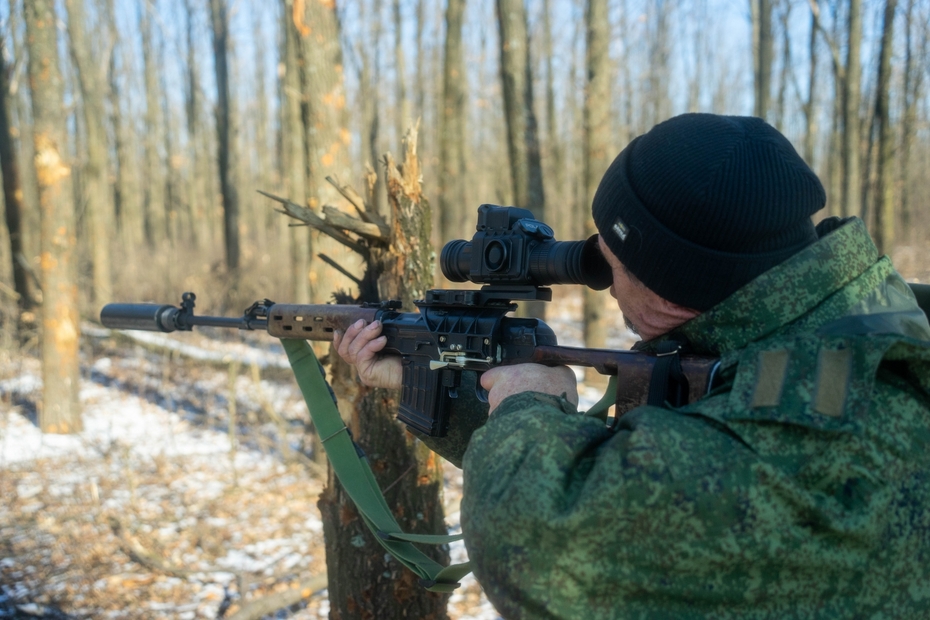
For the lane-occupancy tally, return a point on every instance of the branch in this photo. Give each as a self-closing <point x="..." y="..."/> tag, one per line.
<point x="831" y="44"/>
<point x="342" y="220"/>
<point x="364" y="211"/>
<point x="312" y="219"/>
<point x="326" y="259"/>
<point x="260" y="607"/>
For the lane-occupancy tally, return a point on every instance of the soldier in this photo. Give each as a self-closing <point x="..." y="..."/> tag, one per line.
<point x="799" y="487"/>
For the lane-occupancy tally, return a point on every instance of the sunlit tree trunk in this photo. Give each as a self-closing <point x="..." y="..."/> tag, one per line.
<point x="60" y="411"/>
<point x="326" y="130"/>
<point x="293" y="156"/>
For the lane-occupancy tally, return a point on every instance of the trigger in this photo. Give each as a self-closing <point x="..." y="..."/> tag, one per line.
<point x="481" y="393"/>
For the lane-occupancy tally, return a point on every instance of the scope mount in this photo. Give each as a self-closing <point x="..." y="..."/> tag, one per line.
<point x="489" y="295"/>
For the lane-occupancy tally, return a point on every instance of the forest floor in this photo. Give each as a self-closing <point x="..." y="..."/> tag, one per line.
<point x="156" y="510"/>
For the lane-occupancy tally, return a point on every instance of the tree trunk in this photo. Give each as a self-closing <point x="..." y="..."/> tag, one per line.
<point x="364" y="582"/>
<point x="13" y="205"/>
<point x="402" y="109"/>
<point x="127" y="205"/>
<point x="326" y="128"/>
<point x="596" y="155"/>
<point x="518" y="106"/>
<point x="913" y="78"/>
<point x="809" y="107"/>
<point x="522" y="139"/>
<point x="453" y="206"/>
<point x="293" y="156"/>
<point x="219" y="19"/>
<point x="154" y="202"/>
<point x="852" y="203"/>
<point x="60" y="412"/>
<point x="99" y="209"/>
<point x="884" y="186"/>
<point x="763" y="55"/>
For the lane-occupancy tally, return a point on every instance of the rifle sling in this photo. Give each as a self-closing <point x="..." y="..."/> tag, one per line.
<point x="352" y="469"/>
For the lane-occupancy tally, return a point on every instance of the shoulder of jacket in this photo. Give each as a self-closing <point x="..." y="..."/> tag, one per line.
<point x="814" y="380"/>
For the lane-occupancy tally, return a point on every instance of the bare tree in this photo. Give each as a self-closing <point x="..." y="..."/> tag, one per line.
<point x="452" y="194"/>
<point x="60" y="412"/>
<point x="23" y="283"/>
<point x="219" y="18"/>
<point x="402" y="108"/>
<point x="99" y="205"/>
<point x="293" y="155"/>
<point x="852" y="203"/>
<point x="913" y="82"/>
<point x="326" y="130"/>
<point x="154" y="201"/>
<point x="522" y="141"/>
<point x="884" y="184"/>
<point x="596" y="155"/>
<point x="364" y="582"/>
<point x="763" y="54"/>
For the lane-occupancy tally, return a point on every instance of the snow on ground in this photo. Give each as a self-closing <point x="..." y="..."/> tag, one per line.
<point x="154" y="510"/>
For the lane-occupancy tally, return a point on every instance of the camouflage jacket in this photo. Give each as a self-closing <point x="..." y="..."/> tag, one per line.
<point x="800" y="488"/>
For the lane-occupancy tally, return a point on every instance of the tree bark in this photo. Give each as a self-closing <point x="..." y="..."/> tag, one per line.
<point x="763" y="55"/>
<point x="402" y="109"/>
<point x="453" y="205"/>
<point x="219" y="19"/>
<point x="913" y="80"/>
<point x="293" y="156"/>
<point x="23" y="284"/>
<point x="852" y="203"/>
<point x="363" y="581"/>
<point x="326" y="130"/>
<point x="809" y="106"/>
<point x="884" y="186"/>
<point x="60" y="412"/>
<point x="99" y="207"/>
<point x="518" y="107"/>
<point x="154" y="212"/>
<point x="597" y="106"/>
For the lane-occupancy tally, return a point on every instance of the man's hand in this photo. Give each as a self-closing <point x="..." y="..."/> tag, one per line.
<point x="504" y="381"/>
<point x="360" y="346"/>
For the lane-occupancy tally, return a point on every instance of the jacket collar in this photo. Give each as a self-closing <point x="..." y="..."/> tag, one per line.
<point x="785" y="293"/>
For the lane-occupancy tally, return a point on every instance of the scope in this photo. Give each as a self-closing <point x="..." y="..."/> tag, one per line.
<point x="512" y="248"/>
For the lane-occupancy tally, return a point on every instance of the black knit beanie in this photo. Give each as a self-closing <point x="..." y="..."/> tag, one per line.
<point x="702" y="204"/>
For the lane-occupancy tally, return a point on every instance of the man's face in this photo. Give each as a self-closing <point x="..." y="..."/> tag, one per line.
<point x="623" y="289"/>
<point x="646" y="313"/>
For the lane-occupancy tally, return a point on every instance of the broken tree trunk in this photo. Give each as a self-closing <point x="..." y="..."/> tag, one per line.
<point x="365" y="582"/>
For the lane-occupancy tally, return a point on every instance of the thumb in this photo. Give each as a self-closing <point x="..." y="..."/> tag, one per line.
<point x="490" y="377"/>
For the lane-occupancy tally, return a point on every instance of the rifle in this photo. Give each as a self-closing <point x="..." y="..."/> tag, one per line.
<point x="516" y="257"/>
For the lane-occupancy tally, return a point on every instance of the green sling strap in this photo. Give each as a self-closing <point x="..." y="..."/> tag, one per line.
<point x="353" y="471"/>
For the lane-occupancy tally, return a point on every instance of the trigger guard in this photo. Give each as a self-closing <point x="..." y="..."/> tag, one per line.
<point x="480" y="393"/>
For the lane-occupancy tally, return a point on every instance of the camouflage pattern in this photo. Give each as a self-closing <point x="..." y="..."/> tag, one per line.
<point x="800" y="488"/>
